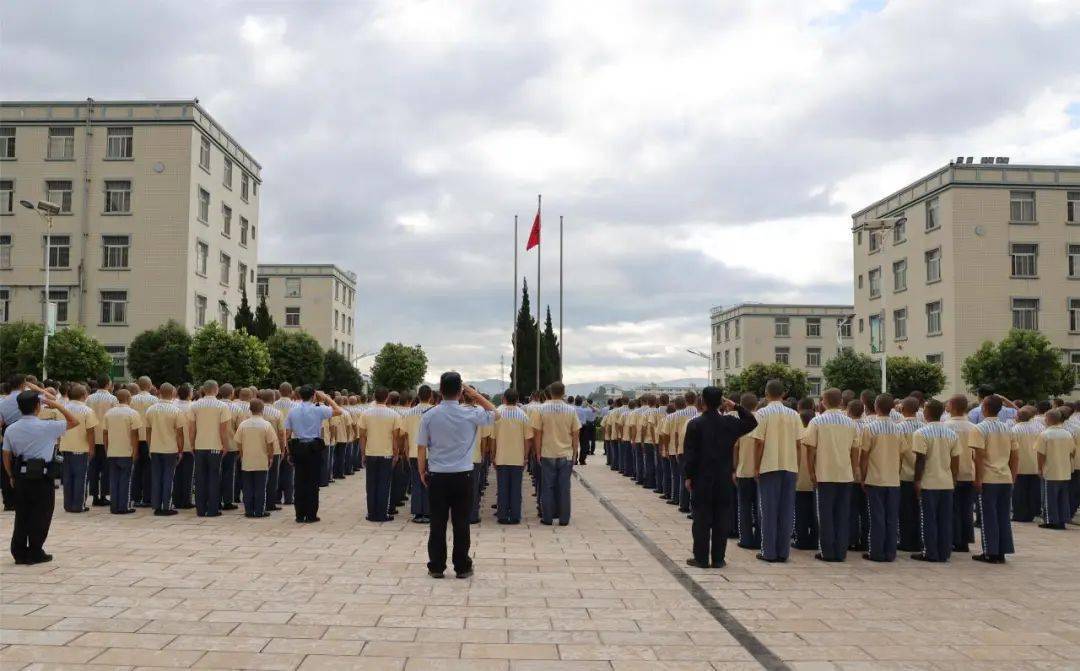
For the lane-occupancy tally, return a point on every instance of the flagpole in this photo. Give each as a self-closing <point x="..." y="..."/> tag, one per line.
<point x="560" y="300"/>
<point x="538" y="246"/>
<point x="513" y="323"/>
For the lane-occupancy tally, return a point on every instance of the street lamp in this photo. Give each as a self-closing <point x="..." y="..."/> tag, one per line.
<point x="45" y="210"/>
<point x="708" y="358"/>
<point x="361" y="356"/>
<point x="875" y="226"/>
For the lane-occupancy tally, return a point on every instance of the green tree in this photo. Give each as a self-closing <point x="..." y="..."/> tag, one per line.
<point x="1025" y="364"/>
<point x="523" y="368"/>
<point x="73" y="355"/>
<point x="848" y="370"/>
<point x="234" y="356"/>
<point x="161" y="353"/>
<point x="399" y="367"/>
<point x="244" y="320"/>
<point x="756" y="375"/>
<point x="10" y="335"/>
<point x="339" y="374"/>
<point x="549" y="353"/>
<point x="906" y="375"/>
<point x="264" y="325"/>
<point x="295" y="357"/>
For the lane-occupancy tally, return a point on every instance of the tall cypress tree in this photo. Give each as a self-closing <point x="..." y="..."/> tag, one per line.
<point x="264" y="325"/>
<point x="549" y="353"/>
<point x="523" y="369"/>
<point x="244" y="320"/>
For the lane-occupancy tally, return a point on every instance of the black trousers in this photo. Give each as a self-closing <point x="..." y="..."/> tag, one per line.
<point x="8" y="492"/>
<point x="140" y="476"/>
<point x="910" y="519"/>
<point x="712" y="520"/>
<point x="379" y="479"/>
<point x="1027" y="498"/>
<point x="806" y="522"/>
<point x="307" y="459"/>
<point x="34" y="501"/>
<point x="451" y="496"/>
<point x="963" y="514"/>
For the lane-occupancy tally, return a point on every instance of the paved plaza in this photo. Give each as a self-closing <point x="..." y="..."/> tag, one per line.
<point x="609" y="592"/>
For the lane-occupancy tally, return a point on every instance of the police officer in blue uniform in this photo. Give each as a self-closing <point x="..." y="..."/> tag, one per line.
<point x="303" y="429"/>
<point x="29" y="450"/>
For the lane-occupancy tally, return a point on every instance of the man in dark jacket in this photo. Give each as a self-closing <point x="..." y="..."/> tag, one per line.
<point x="710" y="473"/>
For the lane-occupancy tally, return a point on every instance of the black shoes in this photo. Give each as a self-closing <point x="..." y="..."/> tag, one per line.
<point x="165" y="513"/>
<point x="467" y="573"/>
<point x="29" y="561"/>
<point x="230" y="506"/>
<point x="438" y="575"/>
<point x="695" y="563"/>
<point x="989" y="559"/>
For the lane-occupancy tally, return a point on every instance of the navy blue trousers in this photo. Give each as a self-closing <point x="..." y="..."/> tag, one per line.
<point x="140" y="476"/>
<point x="680" y="484"/>
<point x="805" y="534"/>
<point x="910" y="527"/>
<point x="339" y="461"/>
<point x="270" y="502"/>
<point x="859" y="518"/>
<point x="285" y="483"/>
<point x="834" y="514"/>
<point x="254" y="493"/>
<point x="98" y="474"/>
<point x="418" y="499"/>
<point x="162" y="472"/>
<point x="509" y="492"/>
<point x="227" y="484"/>
<point x="207" y="482"/>
<point x="74" y="479"/>
<point x="963" y="514"/>
<point x="749" y="522"/>
<point x="937" y="520"/>
<point x="1027" y="498"/>
<point x="325" y="470"/>
<point x="776" y="503"/>
<point x="884" y="505"/>
<point x="555" y="489"/>
<point x="120" y="484"/>
<point x="185" y="471"/>
<point x="994" y="505"/>
<point x="1056" y="501"/>
<point x="649" y="467"/>
<point x="378" y="487"/>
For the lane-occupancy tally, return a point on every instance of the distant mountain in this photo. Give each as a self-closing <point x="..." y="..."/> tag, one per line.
<point x="492" y="386"/>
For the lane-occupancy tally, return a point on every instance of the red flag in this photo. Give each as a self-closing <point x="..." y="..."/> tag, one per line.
<point x="534" y="234"/>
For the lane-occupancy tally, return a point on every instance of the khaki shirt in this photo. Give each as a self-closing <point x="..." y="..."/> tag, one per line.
<point x="141" y="402"/>
<point x="255" y="439"/>
<point x="185" y="416"/>
<point x="277" y="420"/>
<point x="559" y="423"/>
<point x="241" y="410"/>
<point x="909" y="425"/>
<point x="411" y="426"/>
<point x="1026" y="434"/>
<point x="939" y="444"/>
<point x="886" y="444"/>
<point x="833" y="435"/>
<point x="482" y="433"/>
<point x="963" y="428"/>
<point x="1058" y="447"/>
<point x="512" y="428"/>
<point x="119" y="423"/>
<point x="207" y="415"/>
<point x="997" y="442"/>
<point x="74" y="440"/>
<point x="100" y="402"/>
<point x="379" y="423"/>
<point x="778" y="428"/>
<point x="164" y="419"/>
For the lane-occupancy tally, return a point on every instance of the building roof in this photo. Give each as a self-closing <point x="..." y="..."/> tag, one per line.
<point x="305" y="270"/>
<point x="796" y="309"/>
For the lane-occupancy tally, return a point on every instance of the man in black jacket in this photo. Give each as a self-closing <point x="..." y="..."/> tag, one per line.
<point x="710" y="473"/>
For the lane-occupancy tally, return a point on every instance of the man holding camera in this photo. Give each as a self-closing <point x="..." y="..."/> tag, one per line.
<point x="28" y="452"/>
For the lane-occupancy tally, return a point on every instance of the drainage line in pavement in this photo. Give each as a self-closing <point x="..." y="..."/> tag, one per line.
<point x="767" y="658"/>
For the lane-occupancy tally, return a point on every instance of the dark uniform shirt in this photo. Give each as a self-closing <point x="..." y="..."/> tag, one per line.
<point x="710" y="447"/>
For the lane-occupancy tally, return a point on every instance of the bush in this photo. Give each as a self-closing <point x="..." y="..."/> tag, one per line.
<point x="1025" y="364"/>
<point x="73" y="355"/>
<point x="339" y="374"/>
<point x="905" y="375"/>
<point x="295" y="357"/>
<point x="848" y="370"/>
<point x="234" y="357"/>
<point x="399" y="367"/>
<point x="161" y="353"/>
<point x="754" y="377"/>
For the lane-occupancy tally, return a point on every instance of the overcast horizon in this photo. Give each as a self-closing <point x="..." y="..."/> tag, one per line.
<point x="702" y="154"/>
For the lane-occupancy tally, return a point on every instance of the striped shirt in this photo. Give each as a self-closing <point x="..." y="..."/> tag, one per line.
<point x="909" y="425"/>
<point x="1026" y="434"/>
<point x="411" y="425"/>
<point x="939" y="444"/>
<point x="833" y="435"/>
<point x="141" y="402"/>
<point x="163" y="419"/>
<point x="101" y="401"/>
<point x="206" y="416"/>
<point x="679" y="420"/>
<point x="559" y="424"/>
<point x="779" y="428"/>
<point x="886" y="443"/>
<point x="995" y="438"/>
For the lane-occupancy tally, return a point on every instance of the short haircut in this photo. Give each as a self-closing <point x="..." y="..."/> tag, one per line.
<point x="855" y="408"/>
<point x="266" y="395"/>
<point x="307" y="392"/>
<point x="1044" y="407"/>
<point x="883" y="404"/>
<point x="450" y="384"/>
<point x="381" y="394"/>
<point x="256" y="406"/>
<point x="209" y="387"/>
<point x="510" y="396"/>
<point x="123" y="396"/>
<point x="833" y="397"/>
<point x="1025" y="413"/>
<point x="183" y="392"/>
<point x="556" y="389"/>
<point x="806" y="403"/>
<point x="17" y="380"/>
<point x="918" y="395"/>
<point x="748" y="401"/>
<point x="847" y="397"/>
<point x="806" y="416"/>
<point x="933" y="410"/>
<point x="713" y="397"/>
<point x="286" y="389"/>
<point x="104" y="381"/>
<point x="393" y="397"/>
<point x="166" y="390"/>
<point x="984" y="390"/>
<point x="76" y="392"/>
<point x="424" y="393"/>
<point x="226" y="390"/>
<point x="144" y="382"/>
<point x="867" y="398"/>
<point x="690" y="397"/>
<point x="1055" y="417"/>
<point x="680" y="402"/>
<point x="959" y="403"/>
<point x="774" y="388"/>
<point x="27" y="402"/>
<point x="992" y="405"/>
<point x="910" y="405"/>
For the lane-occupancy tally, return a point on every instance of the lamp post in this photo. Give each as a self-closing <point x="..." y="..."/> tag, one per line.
<point x="45" y="210"/>
<point x="708" y="358"/>
<point x="875" y="226"/>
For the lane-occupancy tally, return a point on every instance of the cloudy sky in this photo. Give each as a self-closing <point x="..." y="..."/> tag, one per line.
<point x="702" y="153"/>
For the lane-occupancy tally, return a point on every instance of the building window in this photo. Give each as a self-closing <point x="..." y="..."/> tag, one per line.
<point x="936" y="359"/>
<point x="736" y="328"/>
<point x="933" y="265"/>
<point x="874" y="278"/>
<point x="204" y="153"/>
<point x="58" y="191"/>
<point x="292" y="316"/>
<point x="292" y="287"/>
<point x="845" y="327"/>
<point x="59" y="297"/>
<point x="336" y="327"/>
<point x="738" y="357"/>
<point x="337" y="290"/>
<point x="114" y="307"/>
<point x="815" y="386"/>
<point x="200" y="310"/>
<point x="227" y="174"/>
<point x="1074" y="261"/>
<point x="813" y="357"/>
<point x="226" y="220"/>
<point x="1072" y="200"/>
<point x="860" y="325"/>
<point x="859" y="281"/>
<point x="899" y="232"/>
<point x="7" y="142"/>
<point x="899" y="320"/>
<point x="877" y="338"/>
<point x="932" y="220"/>
<point x="61" y="144"/>
<point x="119" y="360"/>
<point x="1074" y="361"/>
<point x="5" y="251"/>
<point x="253" y="232"/>
<point x="727" y="359"/>
<point x="1074" y="315"/>
<point x="58" y="250"/>
<point x="727" y="331"/>
<point x="204" y="205"/>
<point x="223" y="315"/>
<point x="118" y="196"/>
<point x="350" y="326"/>
<point x="115" y="251"/>
<point x="243" y="231"/>
<point x="933" y="318"/>
<point x="244" y="182"/>
<point x="7" y="196"/>
<point x="899" y="275"/>
<point x="120" y="143"/>
<point x="262" y="286"/>
<point x="1022" y="207"/>
<point x="813" y="327"/>
<point x="782" y="327"/>
<point x="875" y="241"/>
<point x="241" y="272"/>
<point x="783" y="354"/>
<point x="1025" y="313"/>
<point x="202" y="254"/>
<point x="5" y="305"/>
<point x="1024" y="259"/>
<point x="226" y="268"/>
